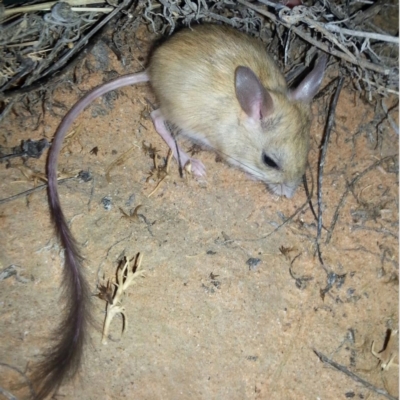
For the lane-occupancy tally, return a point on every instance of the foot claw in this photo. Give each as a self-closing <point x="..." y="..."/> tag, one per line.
<point x="197" y="167"/>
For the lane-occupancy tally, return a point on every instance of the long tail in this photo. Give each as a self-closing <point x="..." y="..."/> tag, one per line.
<point x="63" y="359"/>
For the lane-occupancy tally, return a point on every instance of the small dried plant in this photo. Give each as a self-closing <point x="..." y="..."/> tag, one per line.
<point x="127" y="274"/>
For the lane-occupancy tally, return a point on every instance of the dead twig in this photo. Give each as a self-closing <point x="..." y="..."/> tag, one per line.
<point x="162" y="173"/>
<point x="289" y="219"/>
<point x="349" y="187"/>
<point x="47" y="6"/>
<point x="327" y="49"/>
<point x="67" y="56"/>
<point x="384" y="231"/>
<point x="119" y="161"/>
<point x="7" y="394"/>
<point x="133" y="215"/>
<point x="369" y="35"/>
<point x="388" y="354"/>
<point x="23" y="374"/>
<point x="327" y="134"/>
<point x="353" y="376"/>
<point x="35" y="189"/>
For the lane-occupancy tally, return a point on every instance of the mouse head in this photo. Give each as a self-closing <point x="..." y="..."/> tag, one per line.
<point x="276" y="128"/>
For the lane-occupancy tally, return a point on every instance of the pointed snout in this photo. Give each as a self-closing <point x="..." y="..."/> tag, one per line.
<point x="283" y="189"/>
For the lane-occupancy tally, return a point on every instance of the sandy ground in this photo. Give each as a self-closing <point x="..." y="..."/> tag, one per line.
<point x="203" y="323"/>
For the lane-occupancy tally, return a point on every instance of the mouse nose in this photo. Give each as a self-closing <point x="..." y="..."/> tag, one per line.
<point x="288" y="191"/>
<point x="284" y="189"/>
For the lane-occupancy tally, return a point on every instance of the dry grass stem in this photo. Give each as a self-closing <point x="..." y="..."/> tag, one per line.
<point x="126" y="277"/>
<point x="47" y="6"/>
<point x="160" y="173"/>
<point x="119" y="161"/>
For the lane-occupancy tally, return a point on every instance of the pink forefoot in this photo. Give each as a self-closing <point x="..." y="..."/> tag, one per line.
<point x="197" y="167"/>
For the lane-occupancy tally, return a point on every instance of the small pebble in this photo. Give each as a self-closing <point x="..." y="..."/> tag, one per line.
<point x="107" y="204"/>
<point x="253" y="263"/>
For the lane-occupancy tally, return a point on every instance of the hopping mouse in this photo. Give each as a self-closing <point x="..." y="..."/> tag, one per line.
<point x="221" y="89"/>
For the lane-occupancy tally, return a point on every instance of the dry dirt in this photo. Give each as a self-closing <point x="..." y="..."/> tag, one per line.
<point x="202" y="324"/>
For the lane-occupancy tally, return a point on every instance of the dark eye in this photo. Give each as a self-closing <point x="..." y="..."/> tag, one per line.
<point x="269" y="161"/>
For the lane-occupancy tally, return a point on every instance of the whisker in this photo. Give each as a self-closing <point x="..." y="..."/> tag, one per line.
<point x="204" y="147"/>
<point x="227" y="157"/>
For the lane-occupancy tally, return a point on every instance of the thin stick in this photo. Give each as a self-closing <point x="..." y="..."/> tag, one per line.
<point x="328" y="130"/>
<point x="292" y="19"/>
<point x="353" y="376"/>
<point x="305" y="36"/>
<point x="309" y="193"/>
<point x="14" y="94"/>
<point x="301" y="208"/>
<point x="377" y="230"/>
<point x="82" y="41"/>
<point x="10" y="46"/>
<point x="369" y="35"/>
<point x="104" y="10"/>
<point x="346" y="192"/>
<point x="389" y="117"/>
<point x="28" y="381"/>
<point x="35" y="189"/>
<point x="272" y="4"/>
<point x="47" y="6"/>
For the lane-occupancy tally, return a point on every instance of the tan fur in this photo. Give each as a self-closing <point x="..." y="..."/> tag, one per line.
<point x="192" y="75"/>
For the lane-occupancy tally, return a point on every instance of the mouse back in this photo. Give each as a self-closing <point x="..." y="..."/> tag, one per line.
<point x="192" y="74"/>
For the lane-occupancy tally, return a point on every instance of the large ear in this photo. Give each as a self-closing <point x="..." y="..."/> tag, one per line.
<point x="254" y="99"/>
<point x="309" y="86"/>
